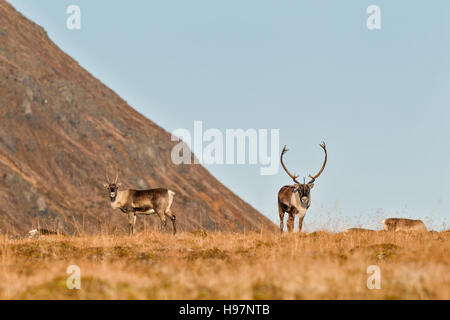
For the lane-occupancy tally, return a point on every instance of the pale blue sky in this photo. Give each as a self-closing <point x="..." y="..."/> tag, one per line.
<point x="380" y="99"/>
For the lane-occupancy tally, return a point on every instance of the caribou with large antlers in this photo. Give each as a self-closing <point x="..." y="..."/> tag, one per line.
<point x="296" y="199"/>
<point x="141" y="202"/>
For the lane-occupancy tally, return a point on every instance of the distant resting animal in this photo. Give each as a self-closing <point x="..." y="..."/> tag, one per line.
<point x="37" y="232"/>
<point x="399" y="224"/>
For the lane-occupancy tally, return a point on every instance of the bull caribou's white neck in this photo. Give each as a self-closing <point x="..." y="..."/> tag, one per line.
<point x="297" y="202"/>
<point x="302" y="209"/>
<point x="118" y="201"/>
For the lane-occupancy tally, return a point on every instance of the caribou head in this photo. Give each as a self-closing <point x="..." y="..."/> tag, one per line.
<point x="112" y="187"/>
<point x="296" y="199"/>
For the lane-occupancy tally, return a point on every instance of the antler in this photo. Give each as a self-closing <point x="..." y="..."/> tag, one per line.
<point x="106" y="176"/>
<point x="294" y="177"/>
<point x="324" y="147"/>
<point x="117" y="178"/>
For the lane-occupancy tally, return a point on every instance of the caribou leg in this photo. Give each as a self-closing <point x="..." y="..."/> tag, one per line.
<point x="132" y="222"/>
<point x="300" y="223"/>
<point x="281" y="212"/>
<point x="173" y="218"/>
<point x="174" y="224"/>
<point x="290" y="222"/>
<point x="163" y="219"/>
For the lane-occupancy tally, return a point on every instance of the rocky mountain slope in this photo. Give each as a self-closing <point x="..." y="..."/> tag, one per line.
<point x="61" y="129"/>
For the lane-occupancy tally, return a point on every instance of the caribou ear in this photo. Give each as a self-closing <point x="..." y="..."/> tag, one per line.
<point x="119" y="185"/>
<point x="311" y="186"/>
<point x="105" y="185"/>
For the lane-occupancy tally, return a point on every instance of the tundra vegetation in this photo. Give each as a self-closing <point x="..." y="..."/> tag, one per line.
<point x="214" y="265"/>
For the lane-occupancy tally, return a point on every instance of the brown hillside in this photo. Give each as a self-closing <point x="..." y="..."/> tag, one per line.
<point x="61" y="128"/>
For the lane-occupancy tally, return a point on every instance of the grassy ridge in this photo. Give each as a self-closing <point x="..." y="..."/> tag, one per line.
<point x="319" y="265"/>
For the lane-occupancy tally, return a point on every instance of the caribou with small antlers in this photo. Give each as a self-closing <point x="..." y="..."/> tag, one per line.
<point x="141" y="202"/>
<point x="296" y="199"/>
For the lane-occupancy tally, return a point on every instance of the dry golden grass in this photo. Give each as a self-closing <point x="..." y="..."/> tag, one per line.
<point x="320" y="265"/>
